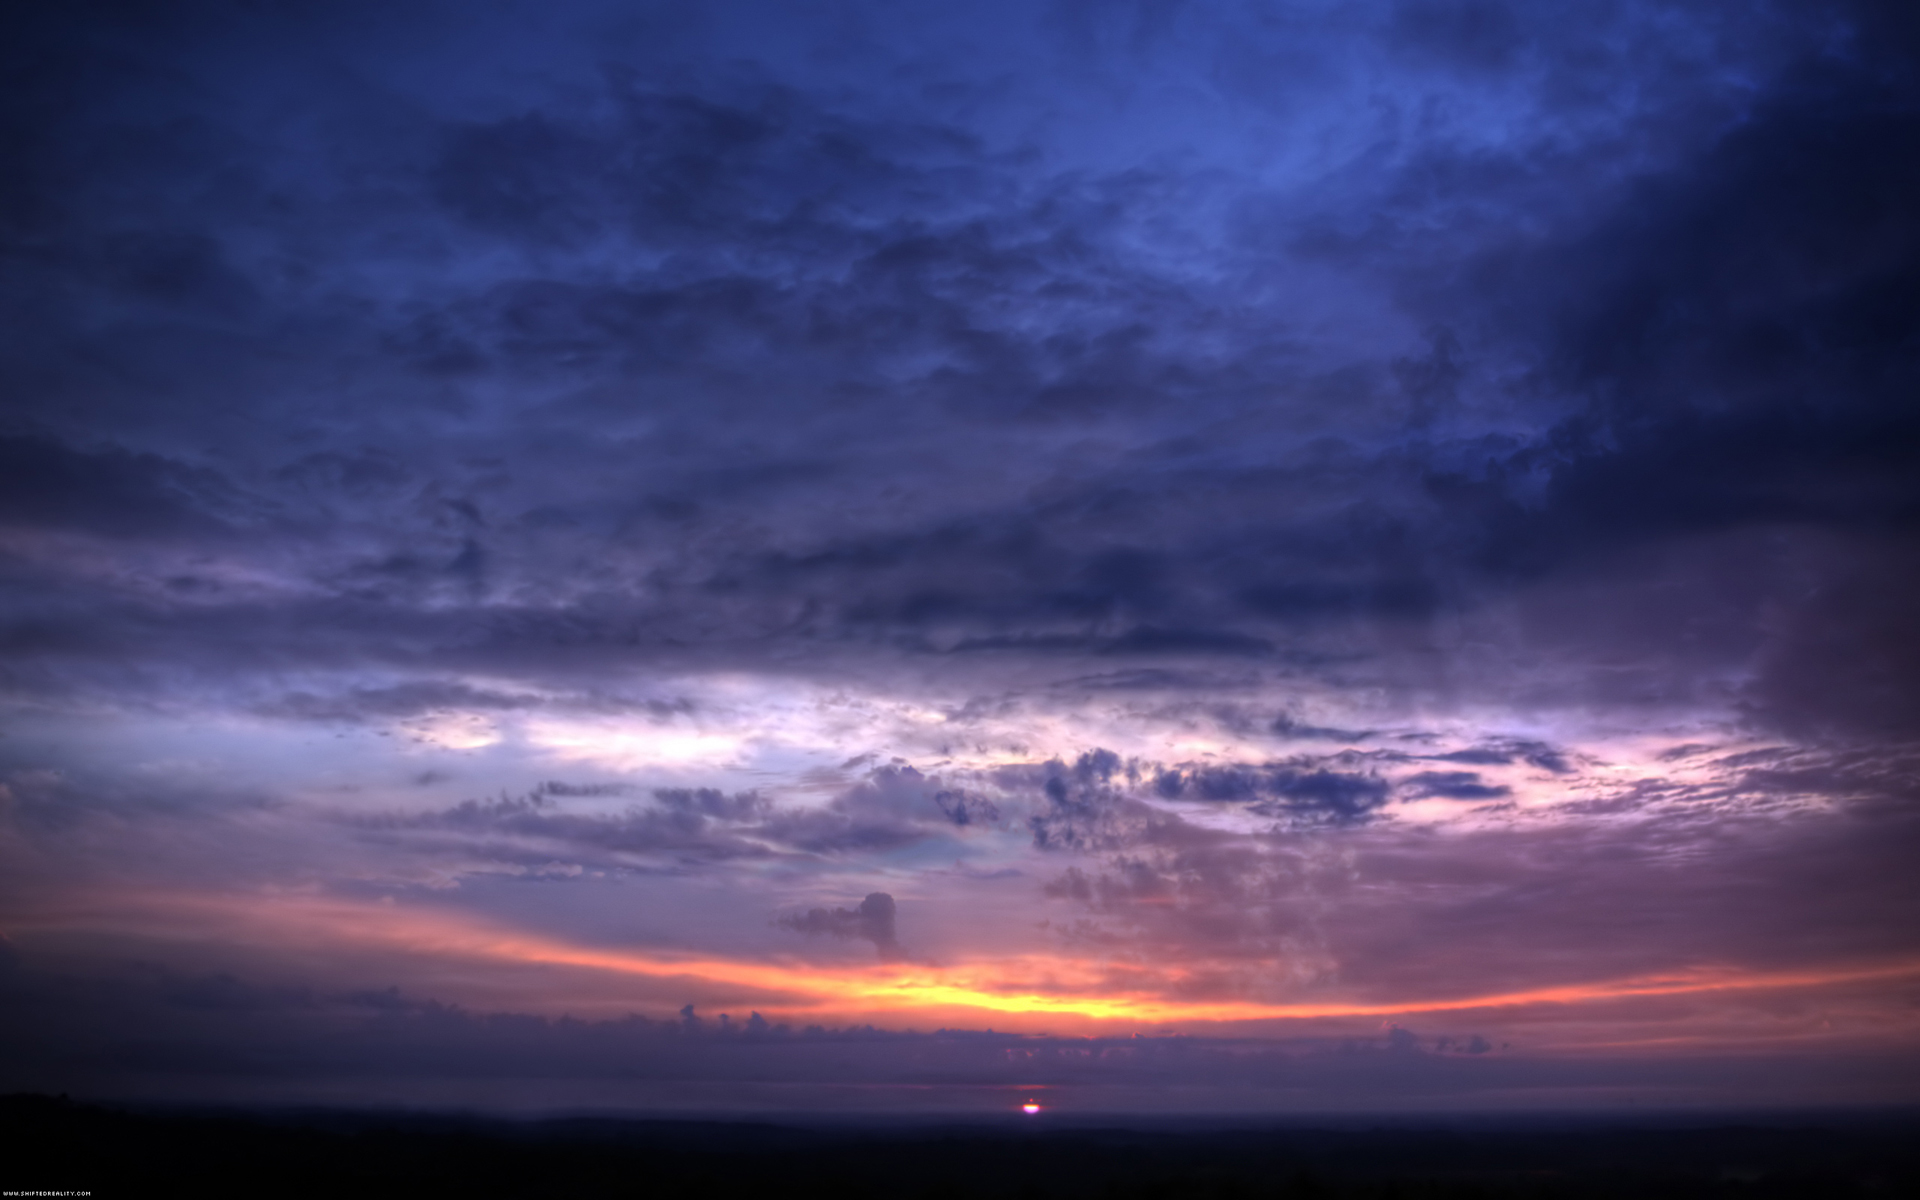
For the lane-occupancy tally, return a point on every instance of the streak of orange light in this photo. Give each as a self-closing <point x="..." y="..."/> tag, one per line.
<point x="985" y="987"/>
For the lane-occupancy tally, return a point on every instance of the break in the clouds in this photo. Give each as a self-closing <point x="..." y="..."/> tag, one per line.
<point x="1259" y="551"/>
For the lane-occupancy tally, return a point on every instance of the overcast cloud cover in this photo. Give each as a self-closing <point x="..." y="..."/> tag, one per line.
<point x="1278" y="555"/>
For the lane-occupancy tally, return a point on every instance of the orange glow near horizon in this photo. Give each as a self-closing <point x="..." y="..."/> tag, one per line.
<point x="1049" y="987"/>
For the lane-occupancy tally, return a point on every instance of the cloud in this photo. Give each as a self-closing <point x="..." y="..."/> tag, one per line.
<point x="1537" y="754"/>
<point x="682" y="825"/>
<point x="1455" y="785"/>
<point x="1086" y="805"/>
<point x="892" y="807"/>
<point x="409" y="699"/>
<point x="1302" y="790"/>
<point x="963" y="808"/>
<point x="853" y="254"/>
<point x="111" y="492"/>
<point x="873" y="921"/>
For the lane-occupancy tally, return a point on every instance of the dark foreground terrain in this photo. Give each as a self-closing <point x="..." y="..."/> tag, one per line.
<point x="53" y="1144"/>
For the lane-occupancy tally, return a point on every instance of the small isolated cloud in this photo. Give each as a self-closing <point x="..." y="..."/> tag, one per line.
<point x="873" y="922"/>
<point x="1455" y="785"/>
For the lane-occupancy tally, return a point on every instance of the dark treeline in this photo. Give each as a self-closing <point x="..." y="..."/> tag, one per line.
<point x="57" y="1144"/>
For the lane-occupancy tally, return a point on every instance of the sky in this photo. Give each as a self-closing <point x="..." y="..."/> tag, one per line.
<point x="1287" y="557"/>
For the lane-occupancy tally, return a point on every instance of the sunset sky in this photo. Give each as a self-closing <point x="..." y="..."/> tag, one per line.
<point x="1162" y="557"/>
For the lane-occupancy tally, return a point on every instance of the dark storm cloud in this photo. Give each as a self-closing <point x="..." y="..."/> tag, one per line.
<point x="913" y="293"/>
<point x="802" y="381"/>
<point x="1740" y="336"/>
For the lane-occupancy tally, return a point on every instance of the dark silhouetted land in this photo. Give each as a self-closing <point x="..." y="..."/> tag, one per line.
<point x="56" y="1144"/>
